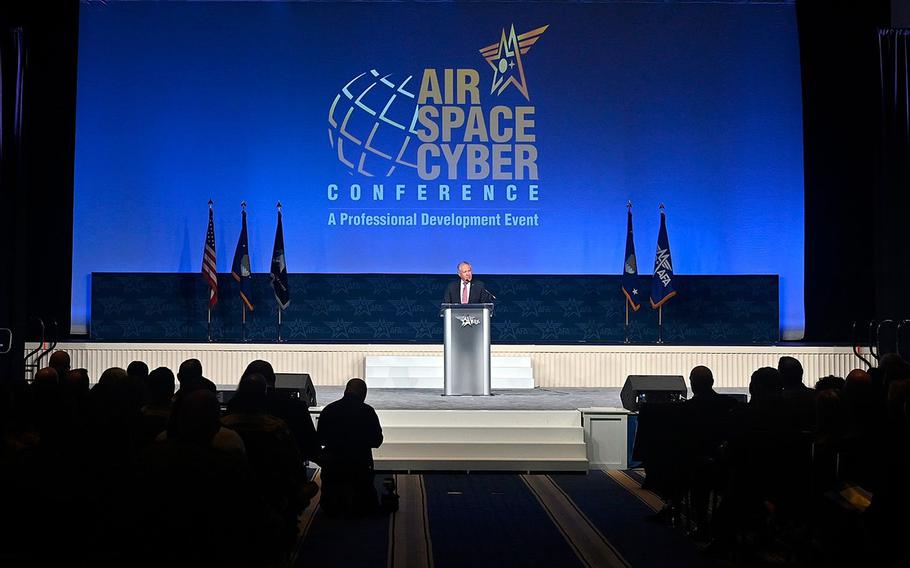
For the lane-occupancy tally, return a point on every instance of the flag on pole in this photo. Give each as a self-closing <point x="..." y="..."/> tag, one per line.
<point x="209" y="268"/>
<point x="279" y="271"/>
<point x="240" y="268"/>
<point x="662" y="282"/>
<point x="630" y="267"/>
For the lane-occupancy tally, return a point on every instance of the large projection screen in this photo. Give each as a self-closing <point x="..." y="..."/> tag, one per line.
<point x="404" y="137"/>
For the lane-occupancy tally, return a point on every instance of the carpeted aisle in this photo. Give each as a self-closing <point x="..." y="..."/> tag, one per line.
<point x="498" y="520"/>
<point x="491" y="520"/>
<point x="616" y="505"/>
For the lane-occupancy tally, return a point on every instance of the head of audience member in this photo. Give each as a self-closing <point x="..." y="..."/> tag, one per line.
<point x="46" y="386"/>
<point x="112" y="376"/>
<point x="791" y="372"/>
<point x="117" y="394"/>
<point x="190" y="371"/>
<point x="765" y="384"/>
<point x="138" y="369"/>
<point x="898" y="396"/>
<point x="701" y="380"/>
<point x="196" y="419"/>
<point x="161" y="386"/>
<point x="250" y="396"/>
<point x="46" y="377"/>
<point x="77" y="383"/>
<point x="831" y="414"/>
<point x="357" y="389"/>
<point x="889" y="366"/>
<point x="829" y="382"/>
<point x="263" y="368"/>
<point x="60" y="360"/>
<point x="858" y="387"/>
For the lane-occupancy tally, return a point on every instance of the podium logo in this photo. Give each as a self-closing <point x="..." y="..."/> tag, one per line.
<point x="468" y="320"/>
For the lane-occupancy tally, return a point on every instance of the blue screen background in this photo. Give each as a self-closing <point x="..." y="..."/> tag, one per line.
<point x="697" y="106"/>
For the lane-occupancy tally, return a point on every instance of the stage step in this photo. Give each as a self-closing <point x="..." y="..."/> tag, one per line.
<point x="481" y="440"/>
<point x="426" y="372"/>
<point x="481" y="434"/>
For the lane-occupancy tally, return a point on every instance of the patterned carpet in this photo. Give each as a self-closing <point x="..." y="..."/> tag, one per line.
<point x="492" y="519"/>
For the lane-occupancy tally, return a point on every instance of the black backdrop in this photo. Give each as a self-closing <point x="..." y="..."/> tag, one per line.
<point x="856" y="264"/>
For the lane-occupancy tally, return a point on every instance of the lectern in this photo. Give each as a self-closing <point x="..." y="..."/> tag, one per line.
<point x="466" y="348"/>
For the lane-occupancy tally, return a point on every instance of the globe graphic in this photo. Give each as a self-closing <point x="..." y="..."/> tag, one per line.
<point x="371" y="124"/>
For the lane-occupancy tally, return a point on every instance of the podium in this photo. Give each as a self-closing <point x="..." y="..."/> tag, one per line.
<point x="466" y="349"/>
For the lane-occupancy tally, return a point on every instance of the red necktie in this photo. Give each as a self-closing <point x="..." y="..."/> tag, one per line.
<point x="464" y="293"/>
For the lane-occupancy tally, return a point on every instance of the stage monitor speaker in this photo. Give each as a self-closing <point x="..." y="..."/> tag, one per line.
<point x="640" y="389"/>
<point x="299" y="381"/>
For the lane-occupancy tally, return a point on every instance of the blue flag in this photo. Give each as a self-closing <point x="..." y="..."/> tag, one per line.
<point x="240" y="268"/>
<point x="630" y="267"/>
<point x="279" y="271"/>
<point x="662" y="282"/>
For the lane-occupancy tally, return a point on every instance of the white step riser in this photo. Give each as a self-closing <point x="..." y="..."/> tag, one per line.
<point x="497" y="383"/>
<point x="489" y="450"/>
<point x="400" y="434"/>
<point x="402" y="371"/>
<point x="480" y="418"/>
<point x="481" y="465"/>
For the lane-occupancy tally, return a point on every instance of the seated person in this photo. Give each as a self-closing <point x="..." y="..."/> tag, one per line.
<point x="348" y="430"/>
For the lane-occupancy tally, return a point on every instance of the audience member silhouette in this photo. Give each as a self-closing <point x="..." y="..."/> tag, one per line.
<point x="271" y="451"/>
<point x="291" y="409"/>
<point x="156" y="412"/>
<point x="200" y="505"/>
<point x="190" y="377"/>
<point x="348" y="430"/>
<point x="60" y="362"/>
<point x="799" y="399"/>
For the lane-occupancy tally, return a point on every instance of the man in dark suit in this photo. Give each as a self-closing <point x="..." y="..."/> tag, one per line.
<point x="466" y="290"/>
<point x="348" y="430"/>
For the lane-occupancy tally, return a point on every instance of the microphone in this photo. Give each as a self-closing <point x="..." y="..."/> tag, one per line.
<point x="490" y="294"/>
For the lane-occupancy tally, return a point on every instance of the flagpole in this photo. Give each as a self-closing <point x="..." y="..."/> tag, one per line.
<point x="660" y="324"/>
<point x="242" y="301"/>
<point x="278" y="205"/>
<point x="242" y="321"/>
<point x="209" y="303"/>
<point x="626" y="327"/>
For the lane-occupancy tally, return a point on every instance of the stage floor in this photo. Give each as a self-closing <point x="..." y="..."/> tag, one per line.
<point x="518" y="399"/>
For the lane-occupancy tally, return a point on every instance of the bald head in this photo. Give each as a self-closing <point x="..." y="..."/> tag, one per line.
<point x="47" y="376"/>
<point x="701" y="379"/>
<point x="190" y="371"/>
<point x="60" y="360"/>
<point x="791" y="372"/>
<point x="356" y="387"/>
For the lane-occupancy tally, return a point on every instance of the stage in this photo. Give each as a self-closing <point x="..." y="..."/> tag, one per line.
<point x="552" y="366"/>
<point x="571" y="420"/>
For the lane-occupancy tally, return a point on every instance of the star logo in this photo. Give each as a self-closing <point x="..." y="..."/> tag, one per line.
<point x="505" y="58"/>
<point x="381" y="328"/>
<point x="423" y="328"/>
<point x="571" y="307"/>
<point x="404" y="306"/>
<point x="508" y="329"/>
<point x="362" y="306"/>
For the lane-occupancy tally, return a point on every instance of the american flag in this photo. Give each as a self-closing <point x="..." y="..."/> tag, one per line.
<point x="209" y="268"/>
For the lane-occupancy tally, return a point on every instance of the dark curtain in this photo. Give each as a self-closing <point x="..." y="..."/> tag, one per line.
<point x="839" y="61"/>
<point x="37" y="137"/>
<point x="893" y="193"/>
